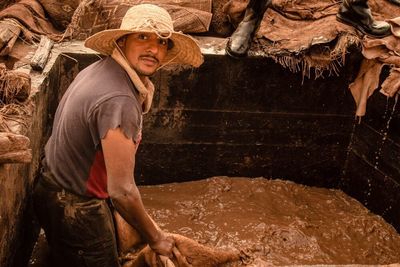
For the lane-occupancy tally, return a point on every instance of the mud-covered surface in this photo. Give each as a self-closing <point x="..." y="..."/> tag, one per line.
<point x="274" y="221"/>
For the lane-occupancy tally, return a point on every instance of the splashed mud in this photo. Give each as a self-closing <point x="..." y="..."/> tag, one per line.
<point x="274" y="222"/>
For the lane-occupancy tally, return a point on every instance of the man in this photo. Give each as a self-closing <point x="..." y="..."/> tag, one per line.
<point x="353" y="12"/>
<point x="90" y="156"/>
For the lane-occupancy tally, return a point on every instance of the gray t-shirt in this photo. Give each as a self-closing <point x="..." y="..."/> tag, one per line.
<point x="101" y="97"/>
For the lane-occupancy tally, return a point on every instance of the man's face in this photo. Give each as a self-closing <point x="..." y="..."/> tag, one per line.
<point x="145" y="52"/>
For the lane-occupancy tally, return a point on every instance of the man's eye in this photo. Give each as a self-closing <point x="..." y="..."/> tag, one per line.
<point x="163" y="41"/>
<point x="142" y="37"/>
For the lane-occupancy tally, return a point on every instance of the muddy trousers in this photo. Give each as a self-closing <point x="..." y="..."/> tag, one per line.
<point x="80" y="231"/>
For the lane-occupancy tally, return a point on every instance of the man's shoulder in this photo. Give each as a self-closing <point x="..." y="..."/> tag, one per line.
<point x="104" y="74"/>
<point x="103" y="68"/>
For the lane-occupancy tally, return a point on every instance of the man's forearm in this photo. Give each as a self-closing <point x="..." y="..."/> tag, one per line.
<point x="129" y="204"/>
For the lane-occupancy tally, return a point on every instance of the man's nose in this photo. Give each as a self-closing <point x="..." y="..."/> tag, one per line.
<point x="153" y="46"/>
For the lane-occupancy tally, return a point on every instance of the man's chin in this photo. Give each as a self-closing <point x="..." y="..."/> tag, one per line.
<point x="146" y="72"/>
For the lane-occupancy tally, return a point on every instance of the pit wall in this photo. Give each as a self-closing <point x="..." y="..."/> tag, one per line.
<point x="248" y="117"/>
<point x="372" y="169"/>
<point x="18" y="228"/>
<point x="16" y="184"/>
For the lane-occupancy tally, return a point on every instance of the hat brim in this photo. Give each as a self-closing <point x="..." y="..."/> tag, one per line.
<point x="185" y="49"/>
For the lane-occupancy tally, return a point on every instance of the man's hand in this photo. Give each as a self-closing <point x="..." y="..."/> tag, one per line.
<point x="163" y="245"/>
<point x="156" y="260"/>
<point x="180" y="259"/>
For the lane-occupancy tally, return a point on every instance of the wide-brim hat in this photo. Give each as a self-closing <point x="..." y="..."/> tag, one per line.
<point x="149" y="18"/>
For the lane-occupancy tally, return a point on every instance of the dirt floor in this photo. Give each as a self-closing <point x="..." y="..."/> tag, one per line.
<point x="273" y="222"/>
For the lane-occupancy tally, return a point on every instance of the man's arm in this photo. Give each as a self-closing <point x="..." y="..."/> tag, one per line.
<point x="119" y="156"/>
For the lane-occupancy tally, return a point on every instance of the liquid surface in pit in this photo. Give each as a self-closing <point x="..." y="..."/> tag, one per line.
<point x="274" y="221"/>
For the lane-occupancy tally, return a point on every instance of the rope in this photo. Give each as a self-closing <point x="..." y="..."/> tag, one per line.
<point x="153" y="25"/>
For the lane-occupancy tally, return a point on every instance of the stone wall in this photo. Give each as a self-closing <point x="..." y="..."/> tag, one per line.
<point x="18" y="227"/>
<point x="17" y="180"/>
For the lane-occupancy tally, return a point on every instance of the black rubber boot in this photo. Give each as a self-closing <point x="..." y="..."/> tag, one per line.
<point x="239" y="42"/>
<point x="357" y="14"/>
<point x="396" y="2"/>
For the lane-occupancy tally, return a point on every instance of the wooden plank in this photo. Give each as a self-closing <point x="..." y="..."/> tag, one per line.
<point x="39" y="59"/>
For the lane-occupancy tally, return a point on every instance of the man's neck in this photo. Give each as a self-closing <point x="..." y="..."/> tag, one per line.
<point x="143" y="79"/>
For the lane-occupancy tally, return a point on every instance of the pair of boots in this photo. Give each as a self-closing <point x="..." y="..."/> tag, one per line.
<point x="353" y="12"/>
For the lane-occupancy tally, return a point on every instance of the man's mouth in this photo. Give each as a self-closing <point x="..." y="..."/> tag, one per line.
<point x="150" y="59"/>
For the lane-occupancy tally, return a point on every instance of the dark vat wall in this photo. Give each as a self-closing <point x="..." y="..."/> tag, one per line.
<point x="372" y="173"/>
<point x="248" y="117"/>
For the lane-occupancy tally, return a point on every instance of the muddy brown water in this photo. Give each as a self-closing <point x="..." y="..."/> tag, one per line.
<point x="275" y="222"/>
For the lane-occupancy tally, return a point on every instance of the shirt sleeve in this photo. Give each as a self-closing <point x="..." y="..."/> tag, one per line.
<point x="118" y="111"/>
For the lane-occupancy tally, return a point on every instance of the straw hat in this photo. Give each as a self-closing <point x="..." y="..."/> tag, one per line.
<point x="149" y="18"/>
